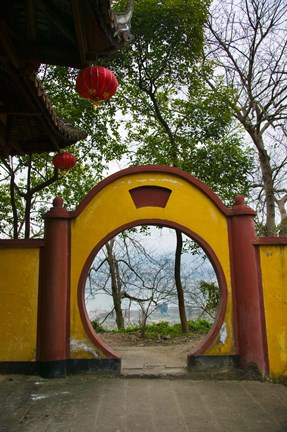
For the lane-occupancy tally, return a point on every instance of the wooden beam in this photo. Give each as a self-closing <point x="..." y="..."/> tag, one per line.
<point x="53" y="15"/>
<point x="62" y="56"/>
<point x="2" y="134"/>
<point x="12" y="143"/>
<point x="27" y="91"/>
<point x="81" y="39"/>
<point x="31" y="20"/>
<point x="8" y="46"/>
<point x="17" y="112"/>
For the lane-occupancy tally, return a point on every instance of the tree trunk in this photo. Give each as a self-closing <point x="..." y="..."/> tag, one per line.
<point x="180" y="293"/>
<point x="270" y="225"/>
<point x="28" y="216"/>
<point x="283" y="214"/>
<point x="143" y="323"/>
<point x="267" y="178"/>
<point x="116" y="288"/>
<point x="13" y="205"/>
<point x="28" y="200"/>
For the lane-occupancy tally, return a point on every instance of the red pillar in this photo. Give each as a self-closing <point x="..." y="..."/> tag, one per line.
<point x="248" y="299"/>
<point x="53" y="334"/>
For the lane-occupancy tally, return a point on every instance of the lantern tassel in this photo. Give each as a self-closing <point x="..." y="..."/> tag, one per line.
<point x="97" y="104"/>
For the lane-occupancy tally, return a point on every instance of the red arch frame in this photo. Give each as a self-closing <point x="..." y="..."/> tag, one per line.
<point x="211" y="335"/>
<point x="152" y="169"/>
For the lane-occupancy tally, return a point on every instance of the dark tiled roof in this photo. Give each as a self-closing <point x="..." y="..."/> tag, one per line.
<point x="60" y="32"/>
<point x="29" y="123"/>
<point x="63" y="32"/>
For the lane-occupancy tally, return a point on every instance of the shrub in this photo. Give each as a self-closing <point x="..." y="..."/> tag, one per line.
<point x="97" y="327"/>
<point x="159" y="330"/>
<point x="199" y="326"/>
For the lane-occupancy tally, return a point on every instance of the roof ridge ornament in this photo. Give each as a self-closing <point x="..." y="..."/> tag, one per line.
<point x="123" y="20"/>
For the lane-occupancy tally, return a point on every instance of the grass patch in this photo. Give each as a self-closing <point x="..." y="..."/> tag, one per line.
<point x="159" y="330"/>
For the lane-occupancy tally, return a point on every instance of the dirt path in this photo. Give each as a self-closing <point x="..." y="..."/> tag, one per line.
<point x="132" y="340"/>
<point x="163" y="356"/>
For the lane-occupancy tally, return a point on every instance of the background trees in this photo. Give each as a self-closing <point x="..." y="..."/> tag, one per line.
<point x="170" y="113"/>
<point x="247" y="41"/>
<point x="133" y="275"/>
<point x="28" y="184"/>
<point x="135" y="270"/>
<point x="172" y="116"/>
<point x="164" y="112"/>
<point x="175" y="107"/>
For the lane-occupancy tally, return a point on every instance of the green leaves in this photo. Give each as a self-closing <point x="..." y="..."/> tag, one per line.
<point x="210" y="293"/>
<point x="163" y="113"/>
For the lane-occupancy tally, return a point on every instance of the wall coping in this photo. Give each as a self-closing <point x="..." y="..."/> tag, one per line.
<point x="238" y="209"/>
<point x="22" y="243"/>
<point x="270" y="241"/>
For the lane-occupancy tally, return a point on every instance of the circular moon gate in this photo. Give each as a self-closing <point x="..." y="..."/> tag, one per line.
<point x="207" y="341"/>
<point x="154" y="195"/>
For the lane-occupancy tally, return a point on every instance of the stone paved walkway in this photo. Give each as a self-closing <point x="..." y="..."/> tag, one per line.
<point x="94" y="404"/>
<point x="153" y="361"/>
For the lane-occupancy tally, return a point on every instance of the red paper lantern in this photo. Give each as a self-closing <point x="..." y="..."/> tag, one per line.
<point x="97" y="84"/>
<point x="64" y="161"/>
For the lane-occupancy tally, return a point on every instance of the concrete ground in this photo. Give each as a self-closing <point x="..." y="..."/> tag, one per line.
<point x="154" y="394"/>
<point x="99" y="404"/>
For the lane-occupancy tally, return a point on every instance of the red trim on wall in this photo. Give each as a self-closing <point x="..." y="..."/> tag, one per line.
<point x="233" y="290"/>
<point x="96" y="340"/>
<point x="53" y="336"/>
<point x="240" y="208"/>
<point x="270" y="241"/>
<point x="68" y="310"/>
<point x="93" y="336"/>
<point x="249" y="301"/>
<point x="152" y="169"/>
<point x="150" y="196"/>
<point x="262" y="311"/>
<point x="40" y="300"/>
<point x="22" y="243"/>
<point x="212" y="334"/>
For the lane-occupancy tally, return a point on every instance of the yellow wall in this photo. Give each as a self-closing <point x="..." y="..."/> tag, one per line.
<point x="110" y="209"/>
<point x="113" y="207"/>
<point x="273" y="260"/>
<point x="19" y="282"/>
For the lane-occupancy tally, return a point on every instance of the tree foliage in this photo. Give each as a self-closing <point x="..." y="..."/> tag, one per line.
<point x="29" y="183"/>
<point x="163" y="113"/>
<point x="172" y="116"/>
<point x="170" y="113"/>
